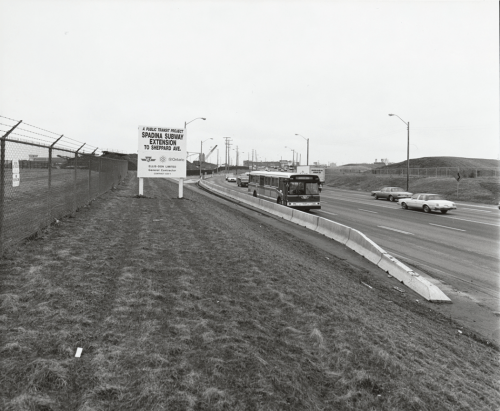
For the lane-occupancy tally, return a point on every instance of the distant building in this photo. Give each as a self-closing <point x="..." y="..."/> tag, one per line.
<point x="261" y="164"/>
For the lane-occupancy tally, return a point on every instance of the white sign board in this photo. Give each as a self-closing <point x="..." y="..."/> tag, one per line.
<point x="162" y="152"/>
<point x="15" y="173"/>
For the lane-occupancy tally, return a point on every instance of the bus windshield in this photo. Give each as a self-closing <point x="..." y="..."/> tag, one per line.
<point x="303" y="188"/>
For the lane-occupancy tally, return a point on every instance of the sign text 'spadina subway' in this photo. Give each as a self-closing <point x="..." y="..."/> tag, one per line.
<point x="162" y="152"/>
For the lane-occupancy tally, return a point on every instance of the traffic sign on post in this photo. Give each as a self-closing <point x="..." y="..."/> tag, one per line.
<point x="15" y="173"/>
<point x="162" y="153"/>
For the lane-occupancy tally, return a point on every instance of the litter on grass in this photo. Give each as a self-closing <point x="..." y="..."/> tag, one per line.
<point x="78" y="352"/>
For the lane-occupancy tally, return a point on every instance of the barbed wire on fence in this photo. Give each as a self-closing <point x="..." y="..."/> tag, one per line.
<point x="61" y="141"/>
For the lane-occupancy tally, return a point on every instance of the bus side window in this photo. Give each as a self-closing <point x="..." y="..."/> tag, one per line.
<point x="261" y="180"/>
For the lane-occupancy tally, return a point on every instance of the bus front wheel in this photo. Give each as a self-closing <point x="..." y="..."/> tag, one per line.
<point x="255" y="193"/>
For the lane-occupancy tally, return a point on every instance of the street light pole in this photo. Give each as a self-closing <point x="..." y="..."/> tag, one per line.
<point x="181" y="180"/>
<point x="201" y="153"/>
<point x="293" y="155"/>
<point x="407" y="152"/>
<point x="307" y="146"/>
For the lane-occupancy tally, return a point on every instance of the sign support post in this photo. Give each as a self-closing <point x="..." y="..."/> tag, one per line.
<point x="141" y="186"/>
<point x="181" y="188"/>
<point x="458" y="178"/>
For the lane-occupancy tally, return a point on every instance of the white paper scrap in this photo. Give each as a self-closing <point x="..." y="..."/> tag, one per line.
<point x="78" y="352"/>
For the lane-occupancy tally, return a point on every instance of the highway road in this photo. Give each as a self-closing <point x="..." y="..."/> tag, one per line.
<point x="459" y="249"/>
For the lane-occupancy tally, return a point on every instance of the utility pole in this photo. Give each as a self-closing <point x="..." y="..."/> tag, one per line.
<point x="228" y="145"/>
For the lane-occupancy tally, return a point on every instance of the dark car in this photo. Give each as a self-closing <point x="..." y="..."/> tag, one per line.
<point x="391" y="193"/>
<point x="242" y="180"/>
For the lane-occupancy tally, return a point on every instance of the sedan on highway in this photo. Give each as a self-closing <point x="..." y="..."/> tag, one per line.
<point x="427" y="202"/>
<point x="391" y="193"/>
<point x="231" y="179"/>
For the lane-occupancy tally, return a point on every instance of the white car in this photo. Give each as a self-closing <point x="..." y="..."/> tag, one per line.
<point x="231" y="179"/>
<point x="427" y="202"/>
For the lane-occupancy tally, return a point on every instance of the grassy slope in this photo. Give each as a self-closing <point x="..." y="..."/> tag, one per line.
<point x="191" y="305"/>
<point x="461" y="162"/>
<point x="482" y="190"/>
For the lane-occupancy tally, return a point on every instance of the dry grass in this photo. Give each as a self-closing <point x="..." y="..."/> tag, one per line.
<point x="443" y="161"/>
<point x="192" y="305"/>
<point x="484" y="190"/>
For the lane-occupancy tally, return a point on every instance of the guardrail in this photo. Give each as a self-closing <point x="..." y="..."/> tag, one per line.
<point x="353" y="239"/>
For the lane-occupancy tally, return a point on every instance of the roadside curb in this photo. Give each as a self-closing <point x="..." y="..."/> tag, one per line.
<point x="353" y="239"/>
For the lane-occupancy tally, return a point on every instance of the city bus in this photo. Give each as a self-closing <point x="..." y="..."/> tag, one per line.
<point x="300" y="191"/>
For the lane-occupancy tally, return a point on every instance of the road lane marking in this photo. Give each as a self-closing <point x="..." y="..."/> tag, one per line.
<point x="368" y="211"/>
<point x="477" y="211"/>
<point x="326" y="212"/>
<point x="393" y="229"/>
<point x="470" y="221"/>
<point x="368" y="202"/>
<point x="451" y="228"/>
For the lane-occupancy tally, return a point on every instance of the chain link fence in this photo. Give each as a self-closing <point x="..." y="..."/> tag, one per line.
<point x="40" y="183"/>
<point x="465" y="172"/>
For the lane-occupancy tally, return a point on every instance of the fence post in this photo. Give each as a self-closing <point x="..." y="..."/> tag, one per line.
<point x="75" y="180"/>
<point x="90" y="174"/>
<point x="50" y="177"/>
<point x="100" y="168"/>
<point x="90" y="178"/>
<point x="2" y="184"/>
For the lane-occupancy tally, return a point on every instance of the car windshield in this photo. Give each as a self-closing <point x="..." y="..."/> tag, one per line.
<point x="434" y="197"/>
<point x="396" y="189"/>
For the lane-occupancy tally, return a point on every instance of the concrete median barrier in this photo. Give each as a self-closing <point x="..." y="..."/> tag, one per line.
<point x="352" y="238"/>
<point x="364" y="246"/>
<point x="333" y="230"/>
<point x="277" y="210"/>
<point x="253" y="201"/>
<point x="411" y="279"/>
<point x="307" y="220"/>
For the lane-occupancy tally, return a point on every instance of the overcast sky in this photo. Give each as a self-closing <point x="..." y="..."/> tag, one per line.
<point x="260" y="72"/>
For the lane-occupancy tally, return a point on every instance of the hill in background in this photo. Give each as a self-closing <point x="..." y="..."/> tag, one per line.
<point x="462" y="162"/>
<point x="430" y="162"/>
<point x="476" y="188"/>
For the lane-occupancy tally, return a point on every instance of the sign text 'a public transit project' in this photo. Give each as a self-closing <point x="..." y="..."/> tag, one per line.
<point x="162" y="152"/>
